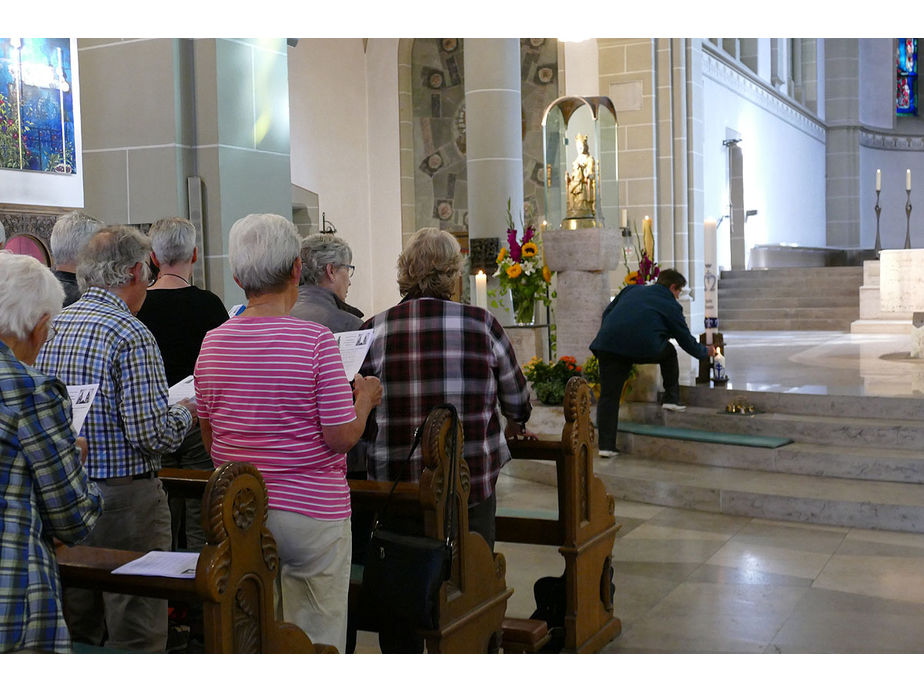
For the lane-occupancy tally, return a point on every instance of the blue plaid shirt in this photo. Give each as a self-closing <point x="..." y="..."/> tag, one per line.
<point x="129" y="424"/>
<point x="43" y="493"/>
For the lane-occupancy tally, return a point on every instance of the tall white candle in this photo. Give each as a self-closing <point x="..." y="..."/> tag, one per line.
<point x="481" y="290"/>
<point x="878" y="180"/>
<point x="625" y="219"/>
<point x="908" y="179"/>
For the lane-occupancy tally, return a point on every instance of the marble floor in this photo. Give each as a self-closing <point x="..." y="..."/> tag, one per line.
<point x="696" y="582"/>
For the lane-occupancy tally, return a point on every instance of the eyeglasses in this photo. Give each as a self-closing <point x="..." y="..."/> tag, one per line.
<point x="351" y="269"/>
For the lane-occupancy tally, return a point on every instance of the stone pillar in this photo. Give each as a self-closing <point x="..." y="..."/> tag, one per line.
<point x="493" y="134"/>
<point x="582" y="258"/>
<point x="157" y="111"/>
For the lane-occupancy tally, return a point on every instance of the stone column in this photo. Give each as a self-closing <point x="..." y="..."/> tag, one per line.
<point x="493" y="134"/>
<point x="582" y="258"/>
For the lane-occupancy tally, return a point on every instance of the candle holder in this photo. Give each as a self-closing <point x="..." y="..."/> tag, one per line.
<point x="908" y="222"/>
<point x="878" y="210"/>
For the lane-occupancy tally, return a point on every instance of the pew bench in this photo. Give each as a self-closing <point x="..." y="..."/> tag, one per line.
<point x="583" y="528"/>
<point x="473" y="601"/>
<point x="235" y="572"/>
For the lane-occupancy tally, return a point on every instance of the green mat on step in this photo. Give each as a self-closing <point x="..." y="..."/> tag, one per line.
<point x="701" y="436"/>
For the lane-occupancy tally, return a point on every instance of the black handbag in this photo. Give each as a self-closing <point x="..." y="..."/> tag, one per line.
<point x="403" y="572"/>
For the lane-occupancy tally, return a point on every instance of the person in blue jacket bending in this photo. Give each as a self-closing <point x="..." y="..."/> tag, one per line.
<point x="635" y="328"/>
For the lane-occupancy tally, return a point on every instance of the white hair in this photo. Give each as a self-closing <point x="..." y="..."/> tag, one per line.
<point x="262" y="248"/>
<point x="107" y="259"/>
<point x="70" y="234"/>
<point x="28" y="291"/>
<point x="173" y="240"/>
<point x="321" y="250"/>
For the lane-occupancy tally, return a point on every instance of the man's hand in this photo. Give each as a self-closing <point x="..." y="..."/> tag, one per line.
<point x="190" y="404"/>
<point x="84" y="448"/>
<point x="711" y="350"/>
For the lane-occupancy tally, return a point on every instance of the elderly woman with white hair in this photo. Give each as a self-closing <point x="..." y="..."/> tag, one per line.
<point x="178" y="313"/>
<point x="325" y="281"/>
<point x="272" y="391"/>
<point x="43" y="485"/>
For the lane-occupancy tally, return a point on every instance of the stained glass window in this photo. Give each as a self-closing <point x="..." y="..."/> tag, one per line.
<point x="906" y="71"/>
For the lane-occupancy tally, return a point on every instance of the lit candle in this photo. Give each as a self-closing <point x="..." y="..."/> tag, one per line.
<point x="908" y="179"/>
<point x="481" y="289"/>
<point x="878" y="180"/>
<point x="625" y="218"/>
<point x="648" y="237"/>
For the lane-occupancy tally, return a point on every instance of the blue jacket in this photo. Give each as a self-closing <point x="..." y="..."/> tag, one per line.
<point x="640" y="320"/>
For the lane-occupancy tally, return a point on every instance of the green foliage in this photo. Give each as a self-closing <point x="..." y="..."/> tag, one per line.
<point x="549" y="378"/>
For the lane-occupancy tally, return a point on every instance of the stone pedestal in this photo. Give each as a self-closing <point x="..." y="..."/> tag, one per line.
<point x="901" y="280"/>
<point x="581" y="258"/>
<point x="528" y="342"/>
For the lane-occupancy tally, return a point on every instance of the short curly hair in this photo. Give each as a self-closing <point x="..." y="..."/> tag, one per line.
<point x="430" y="264"/>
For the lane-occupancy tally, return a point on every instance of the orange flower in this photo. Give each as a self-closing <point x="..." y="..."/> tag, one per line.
<point x="546" y="273"/>
<point x="631" y="278"/>
<point x="514" y="270"/>
<point x="530" y="249"/>
<point x="501" y="255"/>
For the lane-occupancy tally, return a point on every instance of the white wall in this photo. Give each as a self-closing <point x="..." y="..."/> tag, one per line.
<point x="344" y="148"/>
<point x="784" y="172"/>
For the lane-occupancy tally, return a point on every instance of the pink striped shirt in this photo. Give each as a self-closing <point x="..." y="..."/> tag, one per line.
<point x="266" y="386"/>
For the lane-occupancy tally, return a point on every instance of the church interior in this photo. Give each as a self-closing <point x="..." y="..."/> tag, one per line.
<point x="782" y="511"/>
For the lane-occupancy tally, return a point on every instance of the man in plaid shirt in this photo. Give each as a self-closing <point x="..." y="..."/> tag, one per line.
<point x="99" y="340"/>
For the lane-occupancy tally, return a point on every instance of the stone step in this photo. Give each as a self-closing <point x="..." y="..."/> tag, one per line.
<point x="790" y="290"/>
<point x="794" y="272"/>
<point x="786" y="324"/>
<point x="854" y="432"/>
<point x="849" y="313"/>
<point x="761" y="494"/>
<point x="880" y="326"/>
<point x="735" y="300"/>
<point x="905" y="408"/>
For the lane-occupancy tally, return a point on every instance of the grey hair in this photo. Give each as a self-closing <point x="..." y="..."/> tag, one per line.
<point x="70" y="233"/>
<point x="173" y="240"/>
<point x="430" y="264"/>
<point x="28" y="290"/>
<point x="107" y="259"/>
<point x="321" y="250"/>
<point x="262" y="248"/>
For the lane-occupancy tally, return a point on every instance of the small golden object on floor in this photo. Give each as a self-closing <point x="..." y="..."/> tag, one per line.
<point x="740" y="405"/>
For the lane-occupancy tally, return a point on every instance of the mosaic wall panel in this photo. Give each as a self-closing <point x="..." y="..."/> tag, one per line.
<point x="438" y="94"/>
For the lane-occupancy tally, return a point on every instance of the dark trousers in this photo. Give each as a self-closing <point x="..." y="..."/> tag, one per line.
<point x="614" y="371"/>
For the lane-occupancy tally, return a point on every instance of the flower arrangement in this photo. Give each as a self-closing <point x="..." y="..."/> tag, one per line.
<point x="591" y="373"/>
<point x="648" y="270"/>
<point x="549" y="378"/>
<point x="521" y="269"/>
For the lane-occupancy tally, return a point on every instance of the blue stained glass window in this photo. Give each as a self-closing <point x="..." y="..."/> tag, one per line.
<point x="906" y="71"/>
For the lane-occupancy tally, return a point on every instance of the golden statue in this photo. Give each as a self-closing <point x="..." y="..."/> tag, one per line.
<point x="582" y="182"/>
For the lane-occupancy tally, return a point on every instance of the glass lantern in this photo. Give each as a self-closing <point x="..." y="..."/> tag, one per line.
<point x="579" y="153"/>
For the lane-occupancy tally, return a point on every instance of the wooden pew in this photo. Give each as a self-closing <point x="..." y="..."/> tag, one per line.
<point x="474" y="599"/>
<point x="235" y="573"/>
<point x="585" y="527"/>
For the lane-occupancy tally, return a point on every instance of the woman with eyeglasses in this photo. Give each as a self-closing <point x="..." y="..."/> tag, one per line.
<point x="325" y="280"/>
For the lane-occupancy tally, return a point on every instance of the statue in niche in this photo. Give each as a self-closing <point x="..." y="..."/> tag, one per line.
<point x="581" y="182"/>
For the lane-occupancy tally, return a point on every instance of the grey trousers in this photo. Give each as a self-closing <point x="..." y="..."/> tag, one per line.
<point x="136" y="518"/>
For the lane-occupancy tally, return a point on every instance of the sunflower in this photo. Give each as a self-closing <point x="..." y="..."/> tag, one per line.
<point x="515" y="270"/>
<point x="501" y="255"/>
<point x="530" y="249"/>
<point x="546" y="274"/>
<point x="631" y="278"/>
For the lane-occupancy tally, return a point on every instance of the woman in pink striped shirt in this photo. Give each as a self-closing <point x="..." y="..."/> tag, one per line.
<point x="272" y="391"/>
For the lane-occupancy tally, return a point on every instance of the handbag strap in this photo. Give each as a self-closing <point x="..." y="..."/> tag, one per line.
<point x="449" y="514"/>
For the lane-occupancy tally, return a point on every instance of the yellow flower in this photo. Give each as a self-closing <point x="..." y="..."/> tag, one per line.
<point x="514" y="270"/>
<point x="631" y="278"/>
<point x="530" y="249"/>
<point x="546" y="273"/>
<point x="501" y="255"/>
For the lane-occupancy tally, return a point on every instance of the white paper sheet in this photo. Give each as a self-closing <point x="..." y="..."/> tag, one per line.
<point x="178" y="564"/>
<point x="82" y="397"/>
<point x="185" y="389"/>
<point x="353" y="349"/>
